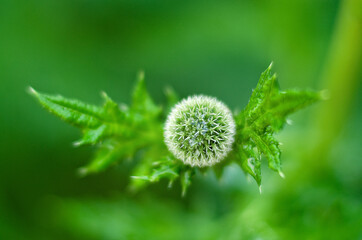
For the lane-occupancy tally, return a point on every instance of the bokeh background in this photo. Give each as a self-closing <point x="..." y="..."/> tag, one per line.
<point x="219" y="48"/>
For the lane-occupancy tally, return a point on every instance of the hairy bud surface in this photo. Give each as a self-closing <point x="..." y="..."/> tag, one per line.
<point x="200" y="131"/>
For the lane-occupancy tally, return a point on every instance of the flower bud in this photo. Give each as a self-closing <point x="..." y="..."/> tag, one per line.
<point x="200" y="131"/>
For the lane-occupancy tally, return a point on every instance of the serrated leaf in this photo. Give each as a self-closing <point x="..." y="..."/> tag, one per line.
<point x="108" y="153"/>
<point x="250" y="162"/>
<point x="168" y="168"/>
<point x="113" y="111"/>
<point x="288" y="102"/>
<point x="267" y="86"/>
<point x="267" y="145"/>
<point x="164" y="169"/>
<point x="265" y="115"/>
<point x="142" y="172"/>
<point x="107" y="130"/>
<point x="72" y="111"/>
<point x="141" y="101"/>
<point x="116" y="129"/>
<point x="92" y="136"/>
<point x="163" y="172"/>
<point x="104" y="156"/>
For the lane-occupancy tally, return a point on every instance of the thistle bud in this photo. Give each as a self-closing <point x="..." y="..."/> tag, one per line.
<point x="200" y="131"/>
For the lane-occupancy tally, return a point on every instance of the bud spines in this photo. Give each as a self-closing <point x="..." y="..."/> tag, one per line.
<point x="200" y="131"/>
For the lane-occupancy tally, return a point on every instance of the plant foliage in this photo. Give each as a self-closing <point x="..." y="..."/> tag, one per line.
<point x="119" y="131"/>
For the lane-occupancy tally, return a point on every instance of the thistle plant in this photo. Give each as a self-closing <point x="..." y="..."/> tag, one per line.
<point x="199" y="132"/>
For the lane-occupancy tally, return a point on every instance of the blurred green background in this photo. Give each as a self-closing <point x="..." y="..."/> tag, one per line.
<point x="218" y="48"/>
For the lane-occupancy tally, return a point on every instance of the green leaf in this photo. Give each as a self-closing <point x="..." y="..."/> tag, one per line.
<point x="143" y="170"/>
<point x="105" y="155"/>
<point x="120" y="131"/>
<point x="92" y="136"/>
<point x="72" y="111"/>
<point x="141" y="102"/>
<point x="108" y="153"/>
<point x="265" y="114"/>
<point x="163" y="169"/>
<point x="267" y="145"/>
<point x="116" y="129"/>
<point x="250" y="162"/>
<point x="186" y="180"/>
<point x="167" y="168"/>
<point x="113" y="111"/>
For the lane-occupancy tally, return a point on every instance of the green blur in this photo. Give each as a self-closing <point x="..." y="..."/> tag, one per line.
<point x="219" y="48"/>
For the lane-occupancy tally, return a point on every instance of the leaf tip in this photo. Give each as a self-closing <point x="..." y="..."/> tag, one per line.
<point x="145" y="178"/>
<point x="104" y="94"/>
<point x="32" y="91"/>
<point x="82" y="172"/>
<point x="324" y="94"/>
<point x="141" y="76"/>
<point x="77" y="143"/>
<point x="168" y="90"/>
<point x="281" y="174"/>
<point x="260" y="190"/>
<point x="270" y="65"/>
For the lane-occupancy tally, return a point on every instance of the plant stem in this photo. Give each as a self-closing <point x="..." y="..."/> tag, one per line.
<point x="340" y="78"/>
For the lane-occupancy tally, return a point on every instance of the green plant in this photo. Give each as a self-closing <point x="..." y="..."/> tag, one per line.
<point x="120" y="131"/>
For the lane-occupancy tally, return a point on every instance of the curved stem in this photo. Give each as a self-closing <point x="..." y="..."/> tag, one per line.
<point x="340" y="78"/>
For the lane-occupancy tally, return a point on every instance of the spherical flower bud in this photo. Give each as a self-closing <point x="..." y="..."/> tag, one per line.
<point x="200" y="131"/>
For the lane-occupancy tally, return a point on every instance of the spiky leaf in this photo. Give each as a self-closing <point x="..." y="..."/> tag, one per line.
<point x="266" y="114"/>
<point x="72" y="111"/>
<point x="118" y="131"/>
